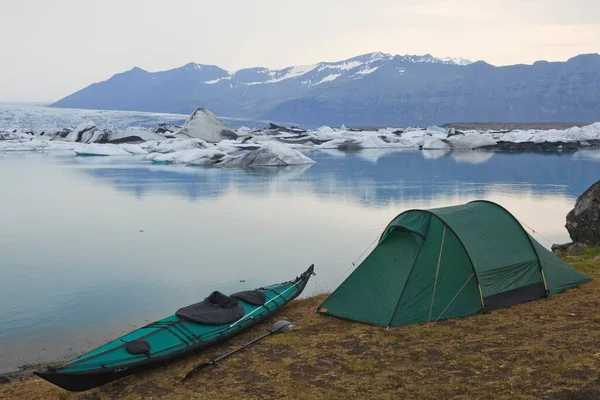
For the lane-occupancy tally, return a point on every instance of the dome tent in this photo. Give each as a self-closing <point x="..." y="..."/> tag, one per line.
<point x="449" y="262"/>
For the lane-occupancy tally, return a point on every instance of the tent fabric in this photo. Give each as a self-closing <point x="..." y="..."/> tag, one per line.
<point x="449" y="262"/>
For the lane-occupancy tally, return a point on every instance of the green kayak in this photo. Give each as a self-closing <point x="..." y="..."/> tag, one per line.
<point x="190" y="330"/>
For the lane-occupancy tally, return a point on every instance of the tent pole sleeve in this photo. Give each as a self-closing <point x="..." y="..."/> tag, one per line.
<point x="544" y="279"/>
<point x="480" y="295"/>
<point x="437" y="272"/>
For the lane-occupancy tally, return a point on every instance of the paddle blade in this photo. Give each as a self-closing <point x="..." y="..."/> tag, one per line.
<point x="282" y="326"/>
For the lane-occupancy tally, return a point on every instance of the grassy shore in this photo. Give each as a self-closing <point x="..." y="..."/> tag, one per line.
<point x="546" y="349"/>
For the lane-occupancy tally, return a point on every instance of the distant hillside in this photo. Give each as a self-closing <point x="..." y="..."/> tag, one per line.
<point x="372" y="89"/>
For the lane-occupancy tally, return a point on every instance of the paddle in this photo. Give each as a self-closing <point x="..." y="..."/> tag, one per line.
<point x="278" y="327"/>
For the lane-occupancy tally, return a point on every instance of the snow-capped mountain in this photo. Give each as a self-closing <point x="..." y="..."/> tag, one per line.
<point x="317" y="74"/>
<point x="375" y="88"/>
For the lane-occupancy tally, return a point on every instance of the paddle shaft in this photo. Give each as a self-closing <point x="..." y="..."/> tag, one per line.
<point x="200" y="367"/>
<point x="242" y="347"/>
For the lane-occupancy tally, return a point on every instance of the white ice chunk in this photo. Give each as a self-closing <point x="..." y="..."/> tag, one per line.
<point x="133" y="149"/>
<point x="435" y="144"/>
<point x="187" y="156"/>
<point x="171" y="145"/>
<point x="470" y="141"/>
<point x="95" y="149"/>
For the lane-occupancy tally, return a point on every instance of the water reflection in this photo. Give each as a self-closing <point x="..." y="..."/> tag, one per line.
<point x="386" y="175"/>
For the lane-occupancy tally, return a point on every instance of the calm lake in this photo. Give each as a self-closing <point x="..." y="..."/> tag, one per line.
<point x="93" y="246"/>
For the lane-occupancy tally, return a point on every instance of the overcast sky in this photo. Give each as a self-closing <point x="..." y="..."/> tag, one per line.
<point x="49" y="49"/>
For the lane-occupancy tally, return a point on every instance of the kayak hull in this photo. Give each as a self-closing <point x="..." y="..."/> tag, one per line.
<point x="85" y="380"/>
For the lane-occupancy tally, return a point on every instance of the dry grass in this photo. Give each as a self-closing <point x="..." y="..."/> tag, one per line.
<point x="548" y="349"/>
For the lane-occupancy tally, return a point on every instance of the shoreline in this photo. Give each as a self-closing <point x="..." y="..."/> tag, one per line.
<point x="545" y="348"/>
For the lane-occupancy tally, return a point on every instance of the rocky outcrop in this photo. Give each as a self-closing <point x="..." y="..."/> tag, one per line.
<point x="569" y="249"/>
<point x="583" y="222"/>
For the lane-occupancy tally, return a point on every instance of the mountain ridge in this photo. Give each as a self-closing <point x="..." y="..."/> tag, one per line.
<point x="370" y="88"/>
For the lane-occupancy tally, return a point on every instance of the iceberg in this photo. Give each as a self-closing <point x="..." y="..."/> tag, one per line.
<point x="133" y="149"/>
<point x="23" y="145"/>
<point x="435" y="144"/>
<point x="269" y="154"/>
<point x="172" y="145"/>
<point x="192" y="156"/>
<point x="76" y="135"/>
<point x="203" y="124"/>
<point x="471" y="140"/>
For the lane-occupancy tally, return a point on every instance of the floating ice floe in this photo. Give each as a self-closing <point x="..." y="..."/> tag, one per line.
<point x="470" y="141"/>
<point x="171" y="145"/>
<point x="270" y="154"/>
<point x="133" y="148"/>
<point x="95" y="149"/>
<point x="190" y="156"/>
<point x="22" y="145"/>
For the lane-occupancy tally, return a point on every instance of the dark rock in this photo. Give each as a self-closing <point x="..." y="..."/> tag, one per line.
<point x="575" y="249"/>
<point x="583" y="222"/>
<point x="569" y="249"/>
<point x="561" y="247"/>
<point x="4" y="380"/>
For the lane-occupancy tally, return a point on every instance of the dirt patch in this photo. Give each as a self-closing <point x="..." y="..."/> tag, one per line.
<point x="90" y="396"/>
<point x="149" y="390"/>
<point x="114" y="390"/>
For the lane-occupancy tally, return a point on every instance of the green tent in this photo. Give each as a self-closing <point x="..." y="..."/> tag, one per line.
<point x="449" y="262"/>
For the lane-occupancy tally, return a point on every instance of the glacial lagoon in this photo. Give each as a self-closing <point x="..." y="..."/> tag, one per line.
<point x="98" y="245"/>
